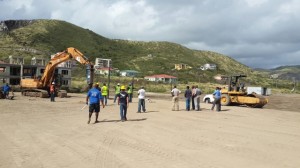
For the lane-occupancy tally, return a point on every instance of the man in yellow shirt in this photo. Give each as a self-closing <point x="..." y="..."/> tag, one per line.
<point x="130" y="92"/>
<point x="117" y="91"/>
<point x="104" y="91"/>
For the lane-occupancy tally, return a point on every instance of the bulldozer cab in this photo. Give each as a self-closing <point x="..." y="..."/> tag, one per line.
<point x="235" y="84"/>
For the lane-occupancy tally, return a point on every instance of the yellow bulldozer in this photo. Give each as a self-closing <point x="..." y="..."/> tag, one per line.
<point x="236" y="94"/>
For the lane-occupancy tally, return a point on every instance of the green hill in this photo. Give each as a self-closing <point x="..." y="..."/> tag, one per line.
<point x="41" y="38"/>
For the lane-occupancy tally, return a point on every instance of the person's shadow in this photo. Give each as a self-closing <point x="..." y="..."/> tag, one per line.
<point x="141" y="119"/>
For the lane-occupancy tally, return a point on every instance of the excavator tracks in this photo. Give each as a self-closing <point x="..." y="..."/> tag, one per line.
<point x="35" y="93"/>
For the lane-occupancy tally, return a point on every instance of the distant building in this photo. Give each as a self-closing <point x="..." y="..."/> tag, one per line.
<point x="130" y="73"/>
<point x="38" y="61"/>
<point x="16" y="60"/>
<point x="182" y="66"/>
<point x="104" y="71"/>
<point x="102" y="63"/>
<point x="66" y="64"/>
<point x="208" y="67"/>
<point x="3" y="26"/>
<point x="11" y="72"/>
<point x="161" y="78"/>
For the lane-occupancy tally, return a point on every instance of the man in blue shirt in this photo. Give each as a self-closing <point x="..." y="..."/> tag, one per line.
<point x="217" y="95"/>
<point x="93" y="98"/>
<point x="6" y="89"/>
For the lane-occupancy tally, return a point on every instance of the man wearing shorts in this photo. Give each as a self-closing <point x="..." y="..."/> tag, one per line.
<point x="93" y="98"/>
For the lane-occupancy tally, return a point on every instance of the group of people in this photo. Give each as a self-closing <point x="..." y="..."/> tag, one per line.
<point x="192" y="96"/>
<point x="96" y="95"/>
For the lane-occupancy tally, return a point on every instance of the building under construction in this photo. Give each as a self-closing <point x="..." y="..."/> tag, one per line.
<point x="13" y="71"/>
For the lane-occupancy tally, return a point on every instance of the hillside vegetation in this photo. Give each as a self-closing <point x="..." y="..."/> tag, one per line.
<point x="41" y="38"/>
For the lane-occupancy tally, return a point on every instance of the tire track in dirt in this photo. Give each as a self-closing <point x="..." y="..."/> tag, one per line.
<point x="231" y="145"/>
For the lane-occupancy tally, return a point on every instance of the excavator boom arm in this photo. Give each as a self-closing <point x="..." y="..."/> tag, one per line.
<point x="69" y="53"/>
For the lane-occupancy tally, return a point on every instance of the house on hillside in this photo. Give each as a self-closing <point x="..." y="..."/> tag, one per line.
<point x="130" y="73"/>
<point x="182" y="66"/>
<point x="161" y="78"/>
<point x="208" y="67"/>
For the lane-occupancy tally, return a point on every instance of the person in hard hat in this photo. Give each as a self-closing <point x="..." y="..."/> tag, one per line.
<point x="123" y="102"/>
<point x="104" y="91"/>
<point x="52" y="92"/>
<point x="130" y="92"/>
<point x="98" y="86"/>
<point x="93" y="99"/>
<point x="117" y="91"/>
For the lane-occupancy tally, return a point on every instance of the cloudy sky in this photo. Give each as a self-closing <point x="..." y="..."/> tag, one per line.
<point x="257" y="33"/>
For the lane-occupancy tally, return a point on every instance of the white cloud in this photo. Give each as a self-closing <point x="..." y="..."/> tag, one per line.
<point x="256" y="3"/>
<point x="249" y="31"/>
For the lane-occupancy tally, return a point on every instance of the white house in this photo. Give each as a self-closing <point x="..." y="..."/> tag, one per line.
<point x="161" y="77"/>
<point x="130" y="73"/>
<point x="104" y="71"/>
<point x="209" y="67"/>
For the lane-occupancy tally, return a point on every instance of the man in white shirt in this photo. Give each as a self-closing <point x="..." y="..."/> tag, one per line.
<point x="141" y="96"/>
<point x="175" y="93"/>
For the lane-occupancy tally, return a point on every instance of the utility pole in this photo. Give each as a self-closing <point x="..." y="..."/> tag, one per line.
<point x="21" y="73"/>
<point x="108" y="83"/>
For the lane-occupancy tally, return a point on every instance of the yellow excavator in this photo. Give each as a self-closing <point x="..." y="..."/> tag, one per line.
<point x="40" y="87"/>
<point x="237" y="94"/>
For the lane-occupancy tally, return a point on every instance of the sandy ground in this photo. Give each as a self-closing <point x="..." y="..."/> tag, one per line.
<point x="36" y="133"/>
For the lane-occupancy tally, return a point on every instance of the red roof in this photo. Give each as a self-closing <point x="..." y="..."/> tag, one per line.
<point x="161" y="76"/>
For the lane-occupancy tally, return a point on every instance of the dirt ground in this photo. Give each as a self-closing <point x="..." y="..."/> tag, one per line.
<point x="35" y="132"/>
<point x="289" y="102"/>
